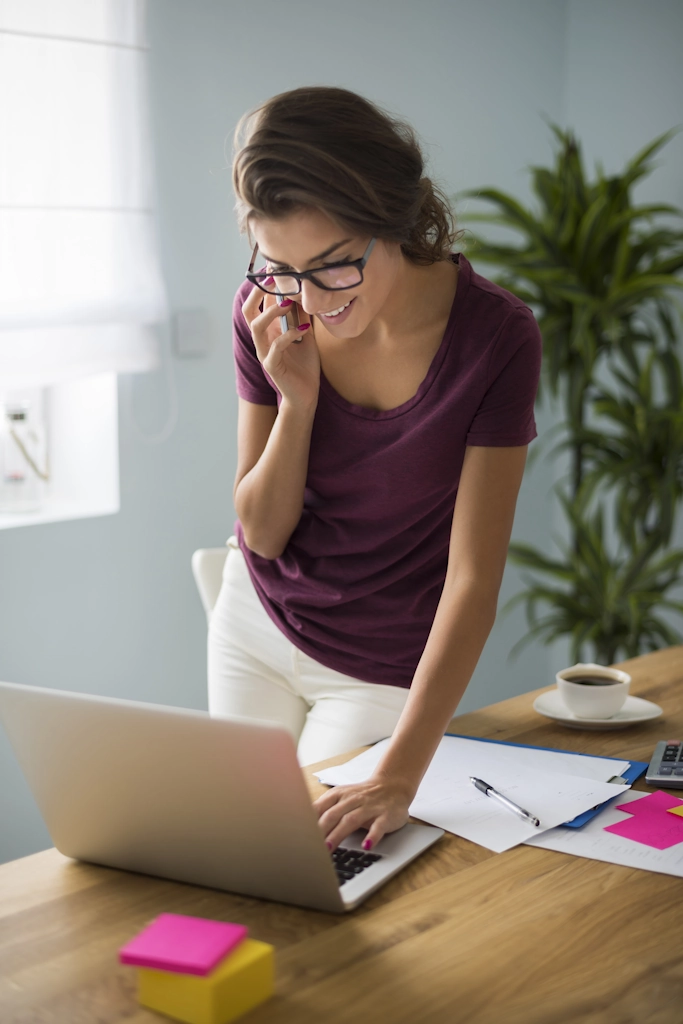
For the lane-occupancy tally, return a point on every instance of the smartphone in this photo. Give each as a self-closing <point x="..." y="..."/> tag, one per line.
<point x="290" y="318"/>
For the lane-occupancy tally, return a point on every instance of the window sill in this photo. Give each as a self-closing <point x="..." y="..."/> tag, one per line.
<point x="52" y="512"/>
<point x="82" y="421"/>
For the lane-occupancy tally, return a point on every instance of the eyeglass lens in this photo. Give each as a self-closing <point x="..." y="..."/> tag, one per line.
<point x="334" y="279"/>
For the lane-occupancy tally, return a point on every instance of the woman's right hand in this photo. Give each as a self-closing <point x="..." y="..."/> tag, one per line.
<point x="293" y="368"/>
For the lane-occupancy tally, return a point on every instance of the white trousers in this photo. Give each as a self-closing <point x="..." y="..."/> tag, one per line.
<point x="257" y="675"/>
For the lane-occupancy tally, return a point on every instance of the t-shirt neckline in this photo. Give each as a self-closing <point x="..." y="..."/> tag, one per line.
<point x="434" y="367"/>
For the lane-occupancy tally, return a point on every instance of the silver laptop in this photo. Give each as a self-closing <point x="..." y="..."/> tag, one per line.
<point x="175" y="793"/>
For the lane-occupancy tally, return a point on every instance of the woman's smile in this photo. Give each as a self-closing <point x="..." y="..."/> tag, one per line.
<point x="337" y="316"/>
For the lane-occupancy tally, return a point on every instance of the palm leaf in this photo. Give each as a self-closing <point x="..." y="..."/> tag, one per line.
<point x="601" y="274"/>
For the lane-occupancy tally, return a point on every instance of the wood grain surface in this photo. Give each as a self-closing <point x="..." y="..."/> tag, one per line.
<point x="461" y="935"/>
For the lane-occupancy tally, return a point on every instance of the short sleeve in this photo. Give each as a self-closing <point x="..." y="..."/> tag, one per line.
<point x="505" y="417"/>
<point x="253" y="383"/>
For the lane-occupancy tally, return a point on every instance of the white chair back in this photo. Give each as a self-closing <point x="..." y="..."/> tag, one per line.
<point x="207" y="569"/>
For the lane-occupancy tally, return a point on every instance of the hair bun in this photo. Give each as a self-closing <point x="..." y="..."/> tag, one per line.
<point x="335" y="151"/>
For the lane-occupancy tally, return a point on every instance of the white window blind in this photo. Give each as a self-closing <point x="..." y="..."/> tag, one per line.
<point x="80" y="282"/>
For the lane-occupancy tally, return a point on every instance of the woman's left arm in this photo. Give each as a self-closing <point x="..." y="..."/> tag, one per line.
<point x="480" y="535"/>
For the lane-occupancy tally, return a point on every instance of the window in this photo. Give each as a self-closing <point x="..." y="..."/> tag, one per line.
<point x="80" y="282"/>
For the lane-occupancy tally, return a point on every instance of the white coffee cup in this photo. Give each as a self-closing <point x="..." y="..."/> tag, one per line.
<point x="593" y="698"/>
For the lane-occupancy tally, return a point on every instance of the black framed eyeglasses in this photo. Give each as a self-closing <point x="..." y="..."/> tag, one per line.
<point x="335" y="277"/>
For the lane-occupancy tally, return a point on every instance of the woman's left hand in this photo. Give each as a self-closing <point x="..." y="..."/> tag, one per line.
<point x="379" y="805"/>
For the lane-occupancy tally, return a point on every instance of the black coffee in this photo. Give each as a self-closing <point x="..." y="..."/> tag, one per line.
<point x="592" y="680"/>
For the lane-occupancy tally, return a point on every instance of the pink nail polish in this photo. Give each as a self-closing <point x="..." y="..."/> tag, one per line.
<point x="328" y="845"/>
<point x="367" y="844"/>
<point x="285" y="302"/>
<point x="268" y="280"/>
<point x="304" y="327"/>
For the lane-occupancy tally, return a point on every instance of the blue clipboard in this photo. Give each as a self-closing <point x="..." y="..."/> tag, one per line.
<point x="633" y="772"/>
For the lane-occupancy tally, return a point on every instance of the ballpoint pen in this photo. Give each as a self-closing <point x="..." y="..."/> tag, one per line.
<point x="487" y="790"/>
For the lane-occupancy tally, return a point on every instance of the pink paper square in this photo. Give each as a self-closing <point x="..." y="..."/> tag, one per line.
<point x="657" y="801"/>
<point x="184" y="945"/>
<point x="650" y="824"/>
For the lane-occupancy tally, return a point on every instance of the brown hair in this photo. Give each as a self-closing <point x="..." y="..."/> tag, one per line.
<point x="337" y="152"/>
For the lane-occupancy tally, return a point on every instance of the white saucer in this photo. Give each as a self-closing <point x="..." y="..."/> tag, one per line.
<point x="635" y="710"/>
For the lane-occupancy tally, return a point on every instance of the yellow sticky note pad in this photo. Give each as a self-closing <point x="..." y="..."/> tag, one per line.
<point x="239" y="983"/>
<point x="675" y="810"/>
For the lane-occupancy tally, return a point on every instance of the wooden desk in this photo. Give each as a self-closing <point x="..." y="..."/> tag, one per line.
<point x="462" y="935"/>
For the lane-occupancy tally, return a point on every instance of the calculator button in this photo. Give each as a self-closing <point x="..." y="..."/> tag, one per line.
<point x="664" y="770"/>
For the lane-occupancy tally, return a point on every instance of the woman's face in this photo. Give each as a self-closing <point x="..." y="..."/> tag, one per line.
<point x="308" y="239"/>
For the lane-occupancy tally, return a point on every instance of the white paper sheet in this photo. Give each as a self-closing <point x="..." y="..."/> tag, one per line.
<point x="593" y="842"/>
<point x="546" y="783"/>
<point x="453" y="750"/>
<point x="553" y="798"/>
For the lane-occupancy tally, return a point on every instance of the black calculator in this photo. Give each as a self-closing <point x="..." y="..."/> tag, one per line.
<point x="666" y="766"/>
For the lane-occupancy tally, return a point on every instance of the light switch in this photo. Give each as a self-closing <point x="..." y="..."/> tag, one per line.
<point x="191" y="333"/>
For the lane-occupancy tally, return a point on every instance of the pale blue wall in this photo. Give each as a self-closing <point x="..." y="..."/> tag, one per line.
<point x="108" y="605"/>
<point x="624" y="86"/>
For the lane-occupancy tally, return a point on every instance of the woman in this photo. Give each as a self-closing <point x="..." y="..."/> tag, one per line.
<point x="381" y="446"/>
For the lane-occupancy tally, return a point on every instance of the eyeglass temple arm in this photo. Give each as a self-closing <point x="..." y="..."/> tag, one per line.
<point x="368" y="251"/>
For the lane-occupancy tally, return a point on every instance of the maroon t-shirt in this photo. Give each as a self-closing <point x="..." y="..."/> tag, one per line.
<point x="358" y="584"/>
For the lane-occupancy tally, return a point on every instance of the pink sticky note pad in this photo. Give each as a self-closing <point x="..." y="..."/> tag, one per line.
<point x="650" y="824"/>
<point x="184" y="945"/>
<point x="657" y="801"/>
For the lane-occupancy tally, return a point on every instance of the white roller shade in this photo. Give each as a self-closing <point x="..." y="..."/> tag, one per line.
<point x="80" y="282"/>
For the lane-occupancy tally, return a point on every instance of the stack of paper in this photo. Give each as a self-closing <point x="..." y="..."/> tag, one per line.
<point x="552" y="785"/>
<point x="606" y="838"/>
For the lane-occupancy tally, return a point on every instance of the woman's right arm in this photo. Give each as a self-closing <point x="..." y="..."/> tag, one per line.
<point x="272" y="462"/>
<point x="273" y="445"/>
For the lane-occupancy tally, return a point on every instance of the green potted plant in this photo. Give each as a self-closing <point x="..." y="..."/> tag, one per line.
<point x="599" y="273"/>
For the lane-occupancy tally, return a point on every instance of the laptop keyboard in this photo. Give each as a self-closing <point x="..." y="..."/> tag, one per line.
<point x="349" y="863"/>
